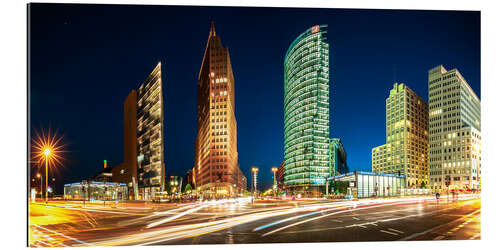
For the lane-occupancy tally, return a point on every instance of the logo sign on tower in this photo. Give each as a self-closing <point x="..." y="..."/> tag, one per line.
<point x="315" y="29"/>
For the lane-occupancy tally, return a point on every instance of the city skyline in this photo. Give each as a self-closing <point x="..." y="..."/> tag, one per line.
<point x="269" y="125"/>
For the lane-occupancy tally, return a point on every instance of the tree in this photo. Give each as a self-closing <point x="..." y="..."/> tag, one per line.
<point x="278" y="192"/>
<point x="188" y="188"/>
<point x="422" y="185"/>
<point x="246" y="193"/>
<point x="340" y="186"/>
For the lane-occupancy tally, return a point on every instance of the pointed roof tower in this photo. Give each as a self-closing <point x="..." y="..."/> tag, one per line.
<point x="212" y="38"/>
<point x="212" y="29"/>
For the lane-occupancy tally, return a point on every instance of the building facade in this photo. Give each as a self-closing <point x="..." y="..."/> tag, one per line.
<point x="150" y="136"/>
<point x="307" y="111"/>
<point x="126" y="172"/>
<point x="280" y="176"/>
<point x="407" y="138"/>
<point x="455" y="131"/>
<point x="216" y="170"/>
<point x="368" y="184"/>
<point x="95" y="190"/>
<point x="338" y="158"/>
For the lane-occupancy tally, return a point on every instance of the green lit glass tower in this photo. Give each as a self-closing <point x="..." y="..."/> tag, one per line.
<point x="307" y="112"/>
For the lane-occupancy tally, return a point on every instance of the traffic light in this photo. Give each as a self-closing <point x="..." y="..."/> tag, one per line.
<point x="447" y="180"/>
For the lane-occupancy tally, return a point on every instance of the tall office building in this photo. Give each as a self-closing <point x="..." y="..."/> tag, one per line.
<point x="307" y="111"/>
<point x="455" y="131"/>
<point x="338" y="158"/>
<point x="217" y="172"/>
<point x="150" y="136"/>
<point x="407" y="138"/>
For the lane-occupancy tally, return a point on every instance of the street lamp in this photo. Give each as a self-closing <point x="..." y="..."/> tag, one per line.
<point x="54" y="184"/>
<point x="41" y="191"/>
<point x="254" y="172"/>
<point x="47" y="146"/>
<point x="274" y="179"/>
<point x="47" y="153"/>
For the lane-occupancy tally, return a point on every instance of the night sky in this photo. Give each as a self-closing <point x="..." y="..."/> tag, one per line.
<point x="85" y="59"/>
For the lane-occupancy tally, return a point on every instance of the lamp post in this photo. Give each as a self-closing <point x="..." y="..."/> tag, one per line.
<point x="46" y="152"/>
<point x="274" y="179"/>
<point x="254" y="172"/>
<point x="53" y="189"/>
<point x="41" y="190"/>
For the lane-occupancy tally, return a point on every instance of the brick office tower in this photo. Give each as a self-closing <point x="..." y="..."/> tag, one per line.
<point x="217" y="172"/>
<point x="126" y="172"/>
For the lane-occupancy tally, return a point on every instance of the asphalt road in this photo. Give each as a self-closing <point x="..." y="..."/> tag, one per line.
<point x="70" y="224"/>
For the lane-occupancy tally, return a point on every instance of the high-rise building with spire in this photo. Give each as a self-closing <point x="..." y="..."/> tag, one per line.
<point x="216" y="170"/>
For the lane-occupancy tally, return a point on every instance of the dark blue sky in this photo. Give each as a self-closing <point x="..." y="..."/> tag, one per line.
<point x="86" y="58"/>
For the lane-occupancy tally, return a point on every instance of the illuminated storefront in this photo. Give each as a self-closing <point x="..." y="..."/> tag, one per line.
<point x="307" y="112"/>
<point x="368" y="184"/>
<point x="95" y="191"/>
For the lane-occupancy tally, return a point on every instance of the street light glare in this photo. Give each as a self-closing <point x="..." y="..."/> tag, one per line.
<point x="47" y="146"/>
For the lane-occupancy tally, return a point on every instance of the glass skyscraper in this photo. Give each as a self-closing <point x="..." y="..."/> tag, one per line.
<point x="307" y="111"/>
<point x="338" y="158"/>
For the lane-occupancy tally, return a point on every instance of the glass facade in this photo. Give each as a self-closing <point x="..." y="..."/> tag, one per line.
<point x="369" y="184"/>
<point x="151" y="168"/>
<point x="307" y="111"/>
<point x="95" y="191"/>
<point x="338" y="158"/>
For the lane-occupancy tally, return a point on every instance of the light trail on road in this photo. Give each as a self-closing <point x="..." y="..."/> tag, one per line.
<point x="192" y="220"/>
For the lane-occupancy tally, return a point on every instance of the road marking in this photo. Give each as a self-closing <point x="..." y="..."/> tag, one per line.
<point x="44" y="243"/>
<point x="440" y="237"/>
<point x="336" y="220"/>
<point x="356" y="218"/>
<point x="95" y="210"/>
<point x="387" y="232"/>
<point x="392" y="229"/>
<point x="356" y="225"/>
<point x="71" y="238"/>
<point x="475" y="236"/>
<point x="322" y="216"/>
<point x="415" y="235"/>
